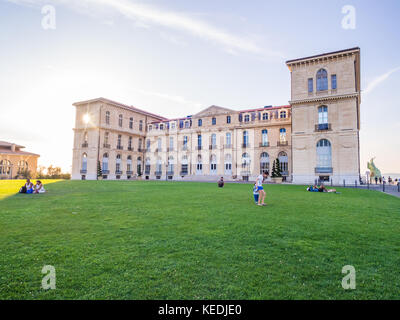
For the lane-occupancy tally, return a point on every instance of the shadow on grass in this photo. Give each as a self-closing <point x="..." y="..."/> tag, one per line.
<point x="10" y="188"/>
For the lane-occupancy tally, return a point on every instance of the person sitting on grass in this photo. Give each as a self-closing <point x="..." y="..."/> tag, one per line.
<point x="39" y="187"/>
<point x="221" y="182"/>
<point x="255" y="193"/>
<point x="27" y="187"/>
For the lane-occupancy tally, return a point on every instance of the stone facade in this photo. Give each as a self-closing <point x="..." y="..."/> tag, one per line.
<point x="14" y="161"/>
<point x="326" y="112"/>
<point x="129" y="143"/>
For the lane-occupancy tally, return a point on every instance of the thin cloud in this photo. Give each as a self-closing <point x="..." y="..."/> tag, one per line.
<point x="378" y="80"/>
<point x="147" y="14"/>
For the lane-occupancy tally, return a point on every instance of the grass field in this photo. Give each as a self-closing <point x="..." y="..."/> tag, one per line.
<point x="176" y="240"/>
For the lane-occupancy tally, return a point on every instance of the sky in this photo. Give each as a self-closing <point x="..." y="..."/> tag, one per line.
<point x="177" y="57"/>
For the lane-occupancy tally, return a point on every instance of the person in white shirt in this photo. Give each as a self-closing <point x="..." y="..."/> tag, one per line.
<point x="260" y="188"/>
<point x="39" y="187"/>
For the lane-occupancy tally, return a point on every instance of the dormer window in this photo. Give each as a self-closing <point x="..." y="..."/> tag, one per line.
<point x="282" y="114"/>
<point x="246" y="118"/>
<point x="265" y="116"/>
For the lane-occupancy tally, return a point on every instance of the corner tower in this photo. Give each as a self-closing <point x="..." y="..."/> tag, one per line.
<point x="325" y="100"/>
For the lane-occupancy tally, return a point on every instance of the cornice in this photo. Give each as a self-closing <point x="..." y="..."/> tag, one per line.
<point x="325" y="98"/>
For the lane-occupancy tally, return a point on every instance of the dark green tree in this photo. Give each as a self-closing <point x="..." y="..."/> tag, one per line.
<point x="99" y="173"/>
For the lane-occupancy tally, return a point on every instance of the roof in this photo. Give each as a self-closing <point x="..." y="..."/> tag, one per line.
<point x="22" y="153"/>
<point x="199" y="114"/>
<point x="323" y="54"/>
<point x="265" y="109"/>
<point x="9" y="144"/>
<point x="118" y="104"/>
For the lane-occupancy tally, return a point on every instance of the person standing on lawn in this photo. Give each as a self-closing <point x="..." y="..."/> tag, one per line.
<point x="261" y="192"/>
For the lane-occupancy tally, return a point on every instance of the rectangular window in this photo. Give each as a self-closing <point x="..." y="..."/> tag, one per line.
<point x="214" y="121"/>
<point x="141" y="125"/>
<point x="265" y="116"/>
<point x="333" y="82"/>
<point x="185" y="140"/>
<point x="310" y="85"/>
<point x="228" y="119"/>
<point x="199" y="140"/>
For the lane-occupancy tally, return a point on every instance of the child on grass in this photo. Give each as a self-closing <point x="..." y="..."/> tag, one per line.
<point x="255" y="193"/>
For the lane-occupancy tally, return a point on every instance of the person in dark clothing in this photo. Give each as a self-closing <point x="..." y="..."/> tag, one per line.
<point x="221" y="182"/>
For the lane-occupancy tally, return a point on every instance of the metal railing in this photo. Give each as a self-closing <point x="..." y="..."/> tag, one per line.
<point x="323" y="127"/>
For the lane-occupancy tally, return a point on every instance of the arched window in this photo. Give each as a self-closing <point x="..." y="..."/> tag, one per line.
<point x="322" y="80"/>
<point x="245" y="138"/>
<point x="22" y="166"/>
<point x="213" y="139"/>
<point x="5" y="167"/>
<point x="264" y="162"/>
<point x="139" y="166"/>
<point x="323" y="115"/>
<point x="228" y="163"/>
<point x="199" y="166"/>
<point x="284" y="163"/>
<point x="120" y="120"/>
<point x="107" y="117"/>
<point x="245" y="161"/>
<point x="282" y="135"/>
<point x="213" y="164"/>
<point x="264" y="137"/>
<point x="129" y="165"/>
<point x="324" y="154"/>
<point x="118" y="164"/>
<point x="170" y="165"/>
<point x="84" y="162"/>
<point x="105" y="162"/>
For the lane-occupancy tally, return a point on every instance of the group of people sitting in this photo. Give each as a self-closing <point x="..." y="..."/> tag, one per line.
<point x="29" y="187"/>
<point x="320" y="188"/>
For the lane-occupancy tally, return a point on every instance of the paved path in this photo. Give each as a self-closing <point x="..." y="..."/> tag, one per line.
<point x="390" y="189"/>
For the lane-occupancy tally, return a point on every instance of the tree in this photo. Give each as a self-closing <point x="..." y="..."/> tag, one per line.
<point x="54" y="172"/>
<point x="276" y="169"/>
<point x="99" y="172"/>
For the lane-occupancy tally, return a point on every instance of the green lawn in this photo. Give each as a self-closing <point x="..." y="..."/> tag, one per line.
<point x="172" y="240"/>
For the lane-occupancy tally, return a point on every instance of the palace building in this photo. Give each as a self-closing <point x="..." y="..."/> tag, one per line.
<point x="316" y="136"/>
<point x="14" y="162"/>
